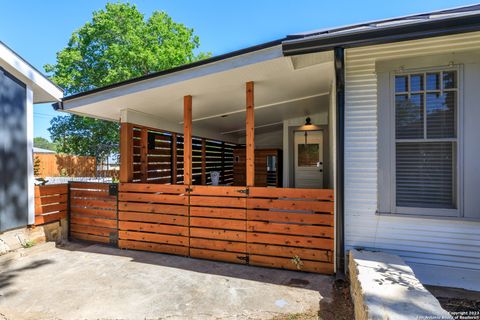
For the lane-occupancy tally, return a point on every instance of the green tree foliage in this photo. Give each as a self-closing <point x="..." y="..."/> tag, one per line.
<point x="43" y="143"/>
<point x="116" y="45"/>
<point x="85" y="136"/>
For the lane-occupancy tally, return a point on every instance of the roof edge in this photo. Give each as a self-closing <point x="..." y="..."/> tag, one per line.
<point x="232" y="54"/>
<point x="404" y="32"/>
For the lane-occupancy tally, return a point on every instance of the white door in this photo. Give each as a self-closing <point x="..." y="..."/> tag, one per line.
<point x="308" y="159"/>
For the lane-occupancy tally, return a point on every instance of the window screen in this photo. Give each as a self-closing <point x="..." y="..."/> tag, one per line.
<point x="426" y="139"/>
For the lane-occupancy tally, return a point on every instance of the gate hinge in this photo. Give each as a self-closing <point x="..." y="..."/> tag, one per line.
<point x="113" y="189"/>
<point x="188" y="189"/>
<point x="244" y="258"/>
<point x="246" y="191"/>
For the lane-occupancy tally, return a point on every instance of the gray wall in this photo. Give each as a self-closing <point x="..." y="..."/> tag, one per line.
<point x="13" y="153"/>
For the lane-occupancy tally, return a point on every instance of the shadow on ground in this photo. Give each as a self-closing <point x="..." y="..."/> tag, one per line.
<point x="7" y="276"/>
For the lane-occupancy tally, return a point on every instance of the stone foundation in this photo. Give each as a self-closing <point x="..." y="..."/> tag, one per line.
<point x="18" y="238"/>
<point x="384" y="287"/>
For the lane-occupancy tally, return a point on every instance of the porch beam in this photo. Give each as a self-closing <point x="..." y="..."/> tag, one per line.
<point x="126" y="152"/>
<point x="187" y="140"/>
<point x="250" y="135"/>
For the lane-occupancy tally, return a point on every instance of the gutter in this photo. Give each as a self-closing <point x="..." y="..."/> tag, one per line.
<point x="339" y="65"/>
<point x="356" y="38"/>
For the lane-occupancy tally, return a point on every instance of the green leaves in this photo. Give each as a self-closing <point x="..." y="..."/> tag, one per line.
<point x="85" y="136"/>
<point x="117" y="44"/>
<point x="120" y="44"/>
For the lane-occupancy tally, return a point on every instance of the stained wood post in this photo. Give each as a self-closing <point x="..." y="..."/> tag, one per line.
<point x="204" y="161"/>
<point x="173" y="166"/>
<point x="187" y="140"/>
<point x="250" y="139"/>
<point x="126" y="152"/>
<point x="143" y="154"/>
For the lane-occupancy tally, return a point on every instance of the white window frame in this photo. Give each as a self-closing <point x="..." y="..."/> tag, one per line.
<point x="458" y="178"/>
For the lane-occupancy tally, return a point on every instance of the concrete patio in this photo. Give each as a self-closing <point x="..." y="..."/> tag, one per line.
<point x="79" y="281"/>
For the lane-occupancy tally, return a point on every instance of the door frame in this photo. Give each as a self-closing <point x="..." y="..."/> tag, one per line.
<point x="291" y="155"/>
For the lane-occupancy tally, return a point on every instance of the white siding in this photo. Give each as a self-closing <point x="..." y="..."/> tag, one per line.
<point x="420" y="241"/>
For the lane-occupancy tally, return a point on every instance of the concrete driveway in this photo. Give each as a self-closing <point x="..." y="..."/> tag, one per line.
<point x="78" y="281"/>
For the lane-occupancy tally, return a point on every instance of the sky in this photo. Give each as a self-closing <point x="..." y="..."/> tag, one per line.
<point x="36" y="30"/>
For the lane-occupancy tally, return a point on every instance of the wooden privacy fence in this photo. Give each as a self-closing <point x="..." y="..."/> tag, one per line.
<point x="93" y="212"/>
<point x="153" y="218"/>
<point x="272" y="227"/>
<point x="50" y="203"/>
<point x="156" y="156"/>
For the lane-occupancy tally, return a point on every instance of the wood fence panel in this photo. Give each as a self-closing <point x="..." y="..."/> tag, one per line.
<point x="218" y="228"/>
<point x="291" y="228"/>
<point x="51" y="203"/>
<point x="93" y="212"/>
<point x="153" y="217"/>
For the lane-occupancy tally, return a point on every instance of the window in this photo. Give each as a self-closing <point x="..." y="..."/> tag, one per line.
<point x="425" y="146"/>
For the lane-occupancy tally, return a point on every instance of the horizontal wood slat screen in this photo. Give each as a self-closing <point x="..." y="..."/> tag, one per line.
<point x="272" y="227"/>
<point x="291" y="228"/>
<point x="218" y="229"/>
<point x="51" y="202"/>
<point x="153" y="218"/>
<point x="158" y="158"/>
<point x="93" y="212"/>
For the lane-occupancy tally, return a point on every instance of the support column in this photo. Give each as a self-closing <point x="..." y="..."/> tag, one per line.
<point x="187" y="140"/>
<point x="250" y="138"/>
<point x="204" y="161"/>
<point x="126" y="152"/>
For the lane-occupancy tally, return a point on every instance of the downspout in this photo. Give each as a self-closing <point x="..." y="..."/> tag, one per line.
<point x="339" y="64"/>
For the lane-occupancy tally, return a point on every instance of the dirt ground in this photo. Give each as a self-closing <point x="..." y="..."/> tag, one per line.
<point x="457" y="301"/>
<point x="79" y="281"/>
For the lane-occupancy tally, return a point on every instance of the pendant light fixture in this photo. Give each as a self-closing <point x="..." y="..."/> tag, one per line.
<point x="308" y="126"/>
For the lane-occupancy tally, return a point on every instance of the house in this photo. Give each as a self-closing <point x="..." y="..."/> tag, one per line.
<point x="383" y="114"/>
<point x="21" y="86"/>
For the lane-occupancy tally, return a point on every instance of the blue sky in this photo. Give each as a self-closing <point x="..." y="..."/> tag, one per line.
<point x="38" y="29"/>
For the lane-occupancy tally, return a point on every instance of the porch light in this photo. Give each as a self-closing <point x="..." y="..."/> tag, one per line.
<point x="308" y="126"/>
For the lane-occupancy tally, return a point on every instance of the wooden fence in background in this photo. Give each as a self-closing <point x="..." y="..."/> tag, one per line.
<point x="50" y="203"/>
<point x="63" y="165"/>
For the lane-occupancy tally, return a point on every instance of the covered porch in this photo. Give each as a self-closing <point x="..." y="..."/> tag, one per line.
<point x="262" y="122"/>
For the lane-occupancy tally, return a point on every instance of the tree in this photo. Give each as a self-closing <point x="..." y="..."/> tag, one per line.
<point x="85" y="136"/>
<point x="116" y="45"/>
<point x="43" y="143"/>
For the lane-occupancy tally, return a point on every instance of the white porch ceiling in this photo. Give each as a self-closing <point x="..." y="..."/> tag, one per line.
<point x="284" y="89"/>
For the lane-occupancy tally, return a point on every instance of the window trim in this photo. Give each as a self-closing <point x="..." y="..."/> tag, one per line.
<point x="392" y="141"/>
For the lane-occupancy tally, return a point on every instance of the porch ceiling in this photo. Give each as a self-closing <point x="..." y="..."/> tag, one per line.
<point x="285" y="87"/>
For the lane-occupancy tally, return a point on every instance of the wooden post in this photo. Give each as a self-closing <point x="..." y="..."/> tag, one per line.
<point x="204" y="161"/>
<point x="173" y="166"/>
<point x="126" y="152"/>
<point x="187" y="140"/>
<point x="250" y="139"/>
<point x="143" y="155"/>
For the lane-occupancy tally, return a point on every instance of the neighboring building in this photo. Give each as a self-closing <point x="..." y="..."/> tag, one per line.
<point x="21" y="86"/>
<point x="393" y="108"/>
<point x="42" y="151"/>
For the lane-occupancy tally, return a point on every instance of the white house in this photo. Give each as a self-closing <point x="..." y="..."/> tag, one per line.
<point x="21" y="86"/>
<point x="392" y="110"/>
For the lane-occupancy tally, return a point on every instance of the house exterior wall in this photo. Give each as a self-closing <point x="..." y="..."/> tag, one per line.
<point x="16" y="197"/>
<point x="434" y="244"/>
